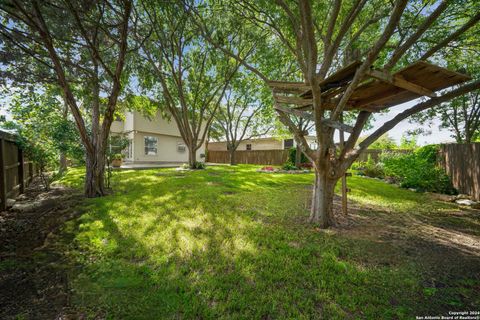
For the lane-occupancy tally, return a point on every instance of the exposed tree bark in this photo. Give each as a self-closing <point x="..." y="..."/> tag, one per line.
<point x="192" y="157"/>
<point x="63" y="157"/>
<point x="298" y="156"/>
<point x="233" y="161"/>
<point x="321" y="211"/>
<point x="95" y="174"/>
<point x="62" y="162"/>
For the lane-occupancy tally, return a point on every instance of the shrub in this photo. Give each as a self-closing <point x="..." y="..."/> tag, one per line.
<point x="198" y="165"/>
<point x="291" y="156"/>
<point x="358" y="165"/>
<point x="372" y="169"/>
<point x="289" y="166"/>
<point x="117" y="156"/>
<point x="418" y="170"/>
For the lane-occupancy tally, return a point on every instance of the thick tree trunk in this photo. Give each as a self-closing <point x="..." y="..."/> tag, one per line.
<point x="321" y="212"/>
<point x="192" y="157"/>
<point x="63" y="163"/>
<point x="298" y="157"/>
<point x="233" y="161"/>
<point x="95" y="175"/>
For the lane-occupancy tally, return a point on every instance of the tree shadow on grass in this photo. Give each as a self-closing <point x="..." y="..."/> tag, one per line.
<point x="165" y="247"/>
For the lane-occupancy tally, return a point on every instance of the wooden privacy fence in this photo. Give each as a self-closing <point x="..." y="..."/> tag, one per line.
<point x="276" y="157"/>
<point x="271" y="157"/>
<point x="462" y="164"/>
<point x="15" y="172"/>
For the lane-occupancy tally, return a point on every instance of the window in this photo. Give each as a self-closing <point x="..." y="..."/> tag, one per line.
<point x="150" y="146"/>
<point x="287" y="143"/>
<point x="181" y="147"/>
<point x="130" y="149"/>
<point x="249" y="146"/>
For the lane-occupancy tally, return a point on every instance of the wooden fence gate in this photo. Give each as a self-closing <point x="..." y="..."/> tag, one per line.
<point x="15" y="172"/>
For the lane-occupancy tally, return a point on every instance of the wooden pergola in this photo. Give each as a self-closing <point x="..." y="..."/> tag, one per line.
<point x="379" y="90"/>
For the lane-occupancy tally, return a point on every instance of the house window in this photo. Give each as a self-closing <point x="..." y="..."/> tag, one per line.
<point x="130" y="149"/>
<point x="287" y="143"/>
<point x="150" y="146"/>
<point x="249" y="146"/>
<point x="181" y="147"/>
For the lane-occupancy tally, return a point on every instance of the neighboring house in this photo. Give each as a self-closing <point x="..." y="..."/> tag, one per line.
<point x="155" y="140"/>
<point x="270" y="143"/>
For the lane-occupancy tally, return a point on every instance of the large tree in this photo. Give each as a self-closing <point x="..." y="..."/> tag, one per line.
<point x="187" y="75"/>
<point x="242" y="115"/>
<point x="43" y="116"/>
<point x="81" y="47"/>
<point x="322" y="37"/>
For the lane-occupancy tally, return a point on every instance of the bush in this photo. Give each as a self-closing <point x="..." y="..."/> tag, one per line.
<point x="291" y="156"/>
<point x="198" y="165"/>
<point x="417" y="170"/>
<point x="372" y="169"/>
<point x="289" y="166"/>
<point x="117" y="156"/>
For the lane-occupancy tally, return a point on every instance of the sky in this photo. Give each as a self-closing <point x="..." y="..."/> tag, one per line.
<point x="436" y="136"/>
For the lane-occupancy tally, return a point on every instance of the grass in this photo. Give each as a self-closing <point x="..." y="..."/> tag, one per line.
<point x="231" y="243"/>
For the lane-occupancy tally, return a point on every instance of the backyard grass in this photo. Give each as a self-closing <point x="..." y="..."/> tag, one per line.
<point x="232" y="243"/>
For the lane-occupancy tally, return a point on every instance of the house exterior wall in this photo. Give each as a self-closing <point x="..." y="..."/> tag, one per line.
<point x="128" y="124"/>
<point x="116" y="127"/>
<point x="167" y="149"/>
<point x="136" y="127"/>
<point x="258" y="144"/>
<point x="156" y="124"/>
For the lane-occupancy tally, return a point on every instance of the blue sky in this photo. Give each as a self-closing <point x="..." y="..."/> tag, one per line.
<point x="436" y="136"/>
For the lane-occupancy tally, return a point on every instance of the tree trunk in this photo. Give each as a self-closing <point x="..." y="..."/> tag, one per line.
<point x="63" y="163"/>
<point x="192" y="157"/>
<point x="95" y="175"/>
<point x="298" y="157"/>
<point x="321" y="211"/>
<point x="233" y="161"/>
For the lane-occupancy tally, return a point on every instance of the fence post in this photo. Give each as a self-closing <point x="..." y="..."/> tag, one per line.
<point x="21" y="174"/>
<point x="3" y="176"/>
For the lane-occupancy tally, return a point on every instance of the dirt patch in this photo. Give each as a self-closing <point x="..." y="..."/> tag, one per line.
<point x="33" y="279"/>
<point x="442" y="246"/>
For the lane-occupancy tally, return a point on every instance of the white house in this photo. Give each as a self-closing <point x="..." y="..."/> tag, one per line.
<point x="155" y="140"/>
<point x="269" y="143"/>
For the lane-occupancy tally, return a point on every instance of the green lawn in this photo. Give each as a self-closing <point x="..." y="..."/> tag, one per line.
<point x="231" y="243"/>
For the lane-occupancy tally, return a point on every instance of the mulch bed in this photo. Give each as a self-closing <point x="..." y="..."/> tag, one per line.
<point x="33" y="278"/>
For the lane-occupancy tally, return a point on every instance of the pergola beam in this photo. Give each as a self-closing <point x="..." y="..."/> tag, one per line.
<point x="401" y="82"/>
